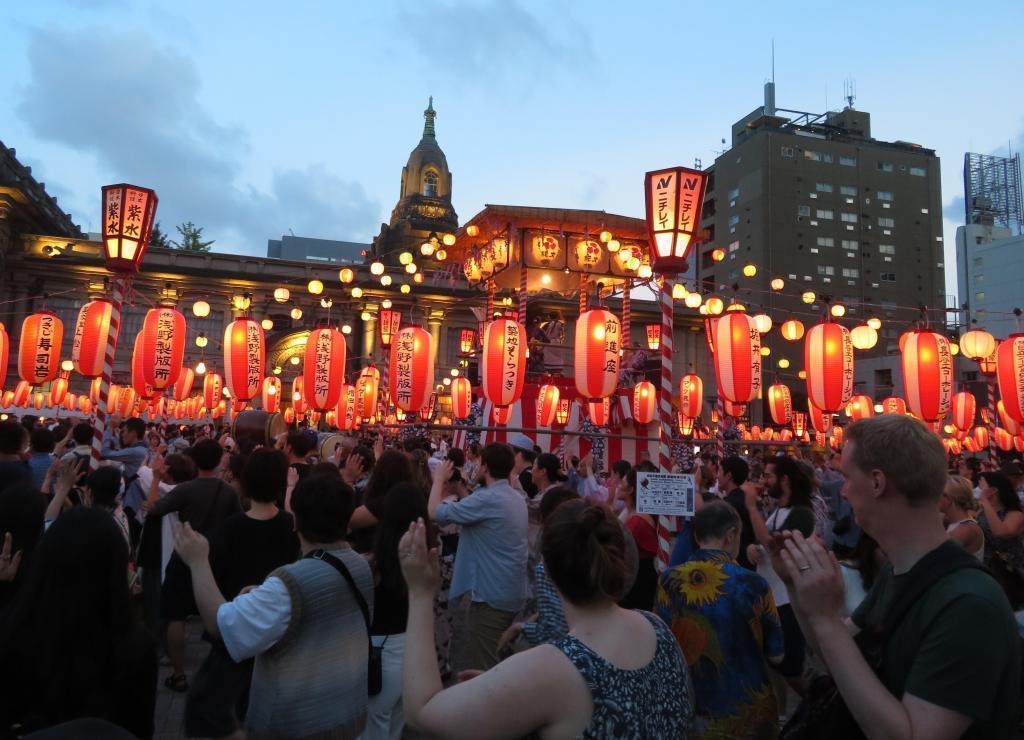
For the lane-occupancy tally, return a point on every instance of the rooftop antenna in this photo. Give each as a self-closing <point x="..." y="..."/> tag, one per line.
<point x="773" y="60"/>
<point x="850" y="91"/>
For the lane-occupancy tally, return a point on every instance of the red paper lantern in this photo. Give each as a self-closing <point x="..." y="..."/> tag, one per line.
<point x="213" y="384"/>
<point x="5" y="350"/>
<point x="156" y="407"/>
<point x="1011" y="425"/>
<point x="927" y="374"/>
<point x="562" y="415"/>
<point x="828" y="360"/>
<point x="39" y="347"/>
<point x="780" y="403"/>
<point x="323" y="370"/>
<point x="289" y="415"/>
<point x="91" y="332"/>
<point x="547" y="405"/>
<point x="367" y="388"/>
<point x="142" y="389"/>
<point x="735" y="410"/>
<point x="94" y="390"/>
<point x="270" y="394"/>
<point x="980" y="437"/>
<point x="244" y="358"/>
<point x="411" y="379"/>
<point x="969" y="445"/>
<point x="598" y="341"/>
<point x="389" y="320"/>
<point x="645" y="402"/>
<point x="799" y="423"/>
<point x="599" y="410"/>
<point x="58" y="390"/>
<point x="860" y="407"/>
<point x="462" y="397"/>
<point x="163" y="347"/>
<point x="299" y="395"/>
<point x="183" y="385"/>
<point x="964" y="407"/>
<point x="70" y="402"/>
<point x="1004" y="440"/>
<point x="737" y="357"/>
<point x="674" y="200"/>
<point x="38" y="400"/>
<point x="128" y="222"/>
<point x="894" y="405"/>
<point x="654" y="337"/>
<point x="126" y="398"/>
<point x="345" y="412"/>
<point x="821" y="421"/>
<point x="1009" y="375"/>
<point x="691" y="396"/>
<point x="501" y="414"/>
<point x="85" y="405"/>
<point x="22" y="393"/>
<point x="1018" y="443"/>
<point x="467" y="339"/>
<point x="503" y="364"/>
<point x="686" y="425"/>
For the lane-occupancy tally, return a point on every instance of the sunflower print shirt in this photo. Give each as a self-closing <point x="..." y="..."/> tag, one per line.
<point x="725" y="620"/>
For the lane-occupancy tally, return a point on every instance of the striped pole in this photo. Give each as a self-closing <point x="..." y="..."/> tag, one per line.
<point x="522" y="292"/>
<point x="118" y="289"/>
<point x="584" y="303"/>
<point x="719" y="426"/>
<point x="993" y="418"/>
<point x="668" y="526"/>
<point x="489" y="310"/>
<point x="627" y="343"/>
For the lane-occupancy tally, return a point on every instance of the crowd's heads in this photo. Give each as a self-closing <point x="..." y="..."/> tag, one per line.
<point x="82" y="433"/>
<point x="548" y="468"/>
<point x="959" y="493"/>
<point x="322" y="505"/>
<point x="21" y="513"/>
<point x="299" y="445"/>
<point x="498" y="460"/>
<point x="786" y="475"/>
<point x="903" y="450"/>
<point x="553" y="498"/>
<point x="13" y="437"/>
<point x="584" y="550"/>
<point x="392" y="468"/>
<point x="457" y="457"/>
<point x="265" y="475"/>
<point x="718" y="523"/>
<point x="104" y="485"/>
<point x="366" y="455"/>
<point x="41" y="440"/>
<point x="1002" y="487"/>
<point x="133" y="430"/>
<point x="736" y="468"/>
<point x="621" y="468"/>
<point x="180" y="468"/>
<point x="207" y="454"/>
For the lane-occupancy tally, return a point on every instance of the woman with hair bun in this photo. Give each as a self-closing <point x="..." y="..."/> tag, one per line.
<point x="618" y="673"/>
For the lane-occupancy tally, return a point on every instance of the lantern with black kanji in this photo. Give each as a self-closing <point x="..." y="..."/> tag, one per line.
<point x="462" y="397"/>
<point x="503" y="364"/>
<point x="547" y="404"/>
<point x="828" y="361"/>
<point x="501" y="414"/>
<point x="244" y="358"/>
<point x="964" y="408"/>
<point x="1011" y="425"/>
<point x="599" y="410"/>
<point x="735" y="410"/>
<point x="691" y="395"/>
<point x="821" y="421"/>
<point x="323" y="368"/>
<point x="270" y="394"/>
<point x="127" y="224"/>
<point x="674" y="199"/>
<point x="467" y="341"/>
<point x="89" y="346"/>
<point x="562" y="415"/>
<point x="645" y="402"/>
<point x="598" y="341"/>
<point x="345" y="412"/>
<point x="389" y="320"/>
<point x="780" y="403"/>
<point x="927" y="374"/>
<point x="39" y="347"/>
<point x="654" y="337"/>
<point x="737" y="357"/>
<point x="894" y="405"/>
<point x="411" y="378"/>
<point x="162" y="347"/>
<point x="213" y="384"/>
<point x="367" y="389"/>
<point x="1010" y="375"/>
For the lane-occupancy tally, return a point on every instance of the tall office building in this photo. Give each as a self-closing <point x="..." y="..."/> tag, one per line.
<point x="814" y="200"/>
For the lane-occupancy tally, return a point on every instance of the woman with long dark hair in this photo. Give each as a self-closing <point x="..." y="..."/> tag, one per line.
<point x="69" y="645"/>
<point x="1002" y="521"/>
<point x="391" y="468"/>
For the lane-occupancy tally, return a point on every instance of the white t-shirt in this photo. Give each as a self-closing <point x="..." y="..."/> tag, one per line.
<point x="764" y="568"/>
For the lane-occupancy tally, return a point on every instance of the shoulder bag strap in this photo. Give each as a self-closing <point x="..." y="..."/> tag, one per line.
<point x="339" y="566"/>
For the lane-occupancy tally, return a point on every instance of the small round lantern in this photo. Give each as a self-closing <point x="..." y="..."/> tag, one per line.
<point x="645" y="402"/>
<point x="780" y="403"/>
<point x="547" y="404"/>
<point x="691" y="396"/>
<point x="964" y="408"/>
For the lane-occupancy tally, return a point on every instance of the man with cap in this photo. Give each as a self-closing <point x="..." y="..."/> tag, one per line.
<point x="525" y="454"/>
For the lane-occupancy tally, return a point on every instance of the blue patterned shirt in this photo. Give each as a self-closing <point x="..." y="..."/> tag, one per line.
<point x="550" y="624"/>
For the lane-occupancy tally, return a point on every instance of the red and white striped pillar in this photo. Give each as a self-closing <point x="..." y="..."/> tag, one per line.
<point x="522" y="292"/>
<point x="993" y="418"/>
<point x="584" y="298"/>
<point x="119" y="285"/>
<point x="626" y="320"/>
<point x="489" y="309"/>
<point x="668" y="526"/>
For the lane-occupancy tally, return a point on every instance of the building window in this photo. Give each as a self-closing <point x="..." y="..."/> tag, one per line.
<point x="846" y="189"/>
<point x="887" y="249"/>
<point x="885" y="166"/>
<point x="847" y="161"/>
<point x="979" y="296"/>
<point x="918" y="171"/>
<point x="826" y="270"/>
<point x="884" y="195"/>
<point x="977" y="261"/>
<point x="734" y="194"/>
<point x="734" y="246"/>
<point x="979" y="278"/>
<point x="851" y="272"/>
<point x="733" y="220"/>
<point x="938" y="238"/>
<point x="886" y="223"/>
<point x="430" y="184"/>
<point x="803" y="211"/>
<point x="823" y="187"/>
<point x="924" y="210"/>
<point x="787" y="152"/>
<point x="849" y="244"/>
<point x="826" y="241"/>
<point x="848" y="218"/>
<point x="824" y="214"/>
<point x="888" y="277"/>
<point x="817" y="156"/>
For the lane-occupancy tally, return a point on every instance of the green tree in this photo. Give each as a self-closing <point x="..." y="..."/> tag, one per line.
<point x="191" y="238"/>
<point x="158" y="238"/>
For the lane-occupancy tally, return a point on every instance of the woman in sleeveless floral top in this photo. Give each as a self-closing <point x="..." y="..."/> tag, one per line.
<point x="618" y="673"/>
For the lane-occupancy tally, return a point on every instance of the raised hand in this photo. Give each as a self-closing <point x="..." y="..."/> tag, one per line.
<point x="420" y="565"/>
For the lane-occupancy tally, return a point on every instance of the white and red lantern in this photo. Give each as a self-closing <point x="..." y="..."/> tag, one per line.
<point x="980" y="437"/>
<point x="927" y="374"/>
<point x="645" y="402"/>
<point x="737" y="357"/>
<point x="128" y="212"/>
<point x="90" y="342"/>
<point x="735" y="410"/>
<point x="501" y="414"/>
<point x="860" y="407"/>
<point x="894" y="405"/>
<point x="462" y="397"/>
<point x="58" y="390"/>
<point x="562" y="415"/>
<point x="691" y="396"/>
<point x="142" y="389"/>
<point x="828" y="361"/>
<point x="821" y="421"/>
<point x="503" y="364"/>
<point x="299" y="402"/>
<point x="213" y="385"/>
<point x="1011" y="425"/>
<point x="598" y="341"/>
<point x="324" y="368"/>
<point x="411" y="379"/>
<point x="1004" y="440"/>
<point x="22" y="393"/>
<point x="367" y="389"/>
<point x="547" y="404"/>
<point x="39" y="347"/>
<point x="183" y="385"/>
<point x="1009" y="375"/>
<point x="345" y="412"/>
<point x="244" y="358"/>
<point x="674" y="199"/>
<point x="654" y="337"/>
<point x="162" y="347"/>
<point x="599" y="410"/>
<point x="70" y="402"/>
<point x="780" y="403"/>
<point x="270" y="394"/>
<point x="389" y="321"/>
<point x="964" y="408"/>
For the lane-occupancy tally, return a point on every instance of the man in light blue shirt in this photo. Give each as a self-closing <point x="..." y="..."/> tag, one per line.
<point x="490" y="564"/>
<point x="133" y="452"/>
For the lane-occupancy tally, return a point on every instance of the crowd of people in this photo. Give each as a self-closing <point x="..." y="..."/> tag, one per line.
<point x="403" y="587"/>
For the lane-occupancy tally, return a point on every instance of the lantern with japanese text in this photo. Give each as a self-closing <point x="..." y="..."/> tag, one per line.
<point x="39" y="347"/>
<point x="324" y="367"/>
<point x="244" y="358"/>
<point x="686" y="425"/>
<point x="501" y="414"/>
<point x="183" y="385"/>
<point x="126" y="398"/>
<point x="964" y="408"/>
<point x="691" y="395"/>
<point x="821" y="421"/>
<point x="588" y="253"/>
<point x="735" y="410"/>
<point x="927" y="374"/>
<point x="142" y="389"/>
<point x="467" y="341"/>
<point x="546" y="249"/>
<point x="674" y="200"/>
<point x="860" y="407"/>
<point x="213" y="384"/>
<point x="828" y="360"/>
<point x="599" y="410"/>
<point x="298" y="399"/>
<point x="503" y="365"/>
<point x="58" y="390"/>
<point x="345" y="412"/>
<point x="894" y="405"/>
<point x="162" y="347"/>
<point x="367" y="389"/>
<point x="598" y="340"/>
<point x="462" y="397"/>
<point x="547" y="404"/>
<point x="645" y="402"/>
<point x="780" y="403"/>
<point x="562" y="415"/>
<point x="654" y="337"/>
<point x="389" y="320"/>
<point x="127" y="224"/>
<point x="89" y="346"/>
<point x="737" y="357"/>
<point x="1009" y="375"/>
<point x="411" y="378"/>
<point x="270" y="394"/>
<point x="980" y="437"/>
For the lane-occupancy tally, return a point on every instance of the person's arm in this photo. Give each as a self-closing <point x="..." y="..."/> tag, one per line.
<point x="194" y="549"/>
<point x="442" y="475"/>
<point x="1011" y="526"/>
<point x="362" y="518"/>
<point x="757" y="523"/>
<point x="67" y="475"/>
<point x="970" y="537"/>
<point x="175" y="500"/>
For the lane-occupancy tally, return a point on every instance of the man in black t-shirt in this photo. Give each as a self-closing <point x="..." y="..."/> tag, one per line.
<point x="732" y="474"/>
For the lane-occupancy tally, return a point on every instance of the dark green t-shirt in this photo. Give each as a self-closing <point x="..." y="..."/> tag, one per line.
<point x="957" y="647"/>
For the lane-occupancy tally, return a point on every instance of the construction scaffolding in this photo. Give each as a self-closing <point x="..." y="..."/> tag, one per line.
<point x="992" y="191"/>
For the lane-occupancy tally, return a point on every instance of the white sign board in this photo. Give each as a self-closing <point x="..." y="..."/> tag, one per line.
<point x="665" y="493"/>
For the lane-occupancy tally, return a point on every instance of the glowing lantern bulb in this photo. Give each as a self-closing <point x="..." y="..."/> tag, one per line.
<point x="315" y="287"/>
<point x="808" y="296"/>
<point x="749" y="269"/>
